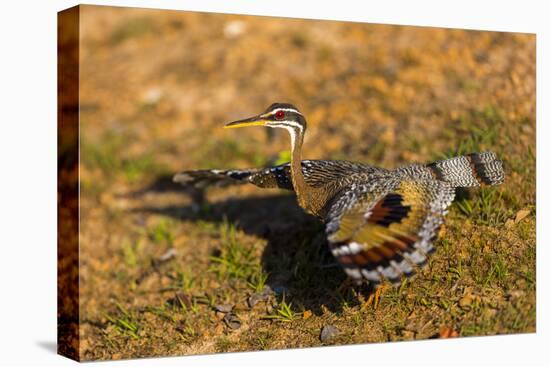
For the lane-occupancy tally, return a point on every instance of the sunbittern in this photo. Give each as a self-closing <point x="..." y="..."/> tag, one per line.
<point x="380" y="223"/>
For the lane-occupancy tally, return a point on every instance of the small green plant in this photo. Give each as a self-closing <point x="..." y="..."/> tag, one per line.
<point x="456" y="271"/>
<point x="257" y="281"/>
<point x="192" y="306"/>
<point x="284" y="313"/>
<point x="161" y="233"/>
<point x="223" y="344"/>
<point x="263" y="339"/>
<point x="498" y="271"/>
<point x="183" y="280"/>
<point x="125" y="323"/>
<point x="161" y="312"/>
<point x="186" y="332"/>
<point x="530" y="276"/>
<point x="129" y="254"/>
<point x="465" y="207"/>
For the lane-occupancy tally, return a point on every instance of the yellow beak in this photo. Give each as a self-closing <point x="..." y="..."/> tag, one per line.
<point x="252" y="121"/>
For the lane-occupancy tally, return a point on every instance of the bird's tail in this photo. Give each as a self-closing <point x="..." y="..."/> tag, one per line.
<point x="214" y="177"/>
<point x="475" y="169"/>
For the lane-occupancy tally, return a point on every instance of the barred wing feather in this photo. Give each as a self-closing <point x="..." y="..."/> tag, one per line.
<point x="385" y="228"/>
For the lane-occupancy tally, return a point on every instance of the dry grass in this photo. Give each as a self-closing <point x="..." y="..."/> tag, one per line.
<point x="157" y="87"/>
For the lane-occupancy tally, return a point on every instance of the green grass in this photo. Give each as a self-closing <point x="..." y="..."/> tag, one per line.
<point x="258" y="281"/>
<point x="187" y="332"/>
<point x="109" y="156"/>
<point x="135" y="168"/>
<point x="284" y="313"/>
<point x="223" y="344"/>
<point x="526" y="271"/>
<point x="129" y="254"/>
<point x="162" y="312"/>
<point x="162" y="232"/>
<point x="235" y="260"/>
<point x="125" y="322"/>
<point x="475" y="131"/>
<point x="263" y="340"/>
<point x="486" y="206"/>
<point x="498" y="271"/>
<point x="481" y="263"/>
<point x="184" y="280"/>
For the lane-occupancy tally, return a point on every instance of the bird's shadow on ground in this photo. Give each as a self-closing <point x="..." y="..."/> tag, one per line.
<point x="296" y="255"/>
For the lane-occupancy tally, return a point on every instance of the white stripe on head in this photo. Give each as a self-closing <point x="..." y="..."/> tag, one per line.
<point x="271" y="113"/>
<point x="285" y="124"/>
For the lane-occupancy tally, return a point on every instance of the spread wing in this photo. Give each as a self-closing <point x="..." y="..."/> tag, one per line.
<point x="317" y="173"/>
<point x="384" y="228"/>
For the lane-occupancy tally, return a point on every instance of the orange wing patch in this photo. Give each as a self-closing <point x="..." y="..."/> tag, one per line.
<point x="388" y="210"/>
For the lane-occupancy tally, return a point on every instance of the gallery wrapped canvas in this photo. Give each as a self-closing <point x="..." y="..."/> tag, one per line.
<point x="385" y="190"/>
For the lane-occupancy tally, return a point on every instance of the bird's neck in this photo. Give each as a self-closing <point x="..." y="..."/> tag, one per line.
<point x="309" y="198"/>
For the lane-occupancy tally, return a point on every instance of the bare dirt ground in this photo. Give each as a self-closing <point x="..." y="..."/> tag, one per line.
<point x="166" y="273"/>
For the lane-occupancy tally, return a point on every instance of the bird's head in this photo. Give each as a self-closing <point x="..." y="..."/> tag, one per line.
<point x="282" y="115"/>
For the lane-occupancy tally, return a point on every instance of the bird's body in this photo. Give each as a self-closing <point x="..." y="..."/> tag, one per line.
<point x="380" y="223"/>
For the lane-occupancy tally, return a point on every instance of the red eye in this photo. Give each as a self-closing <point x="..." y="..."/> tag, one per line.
<point x="279" y="115"/>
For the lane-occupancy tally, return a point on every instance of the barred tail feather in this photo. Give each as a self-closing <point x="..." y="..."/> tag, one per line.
<point x="475" y="169"/>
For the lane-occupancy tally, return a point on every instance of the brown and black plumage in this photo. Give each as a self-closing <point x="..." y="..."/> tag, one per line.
<point x="380" y="224"/>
